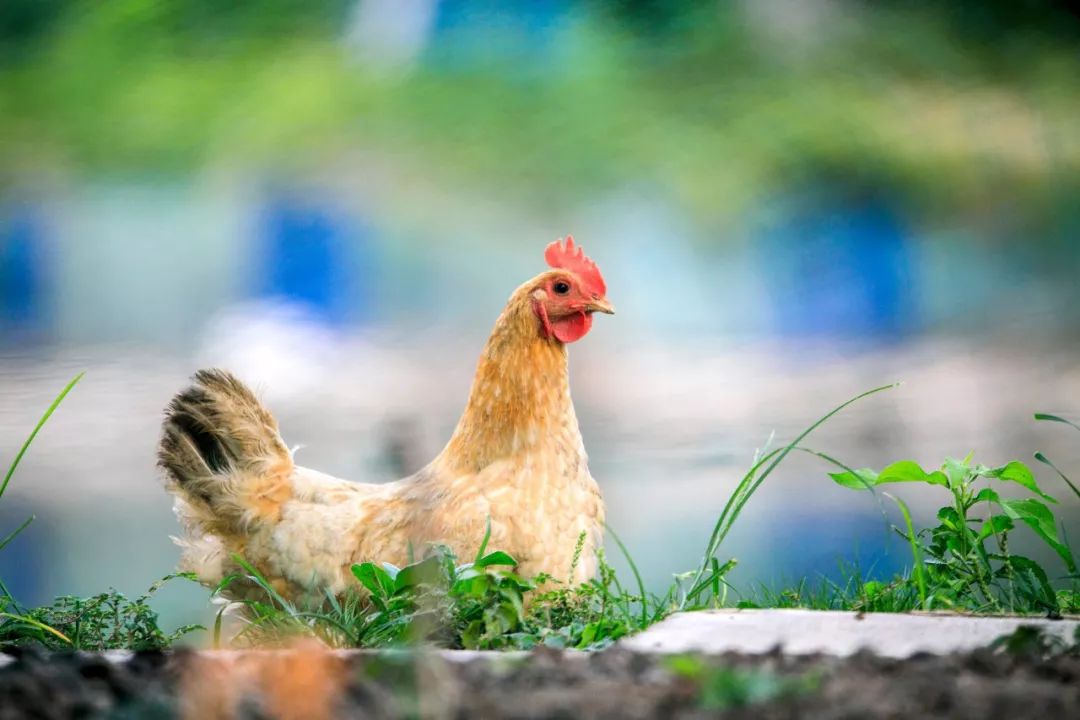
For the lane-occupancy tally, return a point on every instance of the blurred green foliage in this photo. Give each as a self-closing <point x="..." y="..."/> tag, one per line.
<point x="710" y="104"/>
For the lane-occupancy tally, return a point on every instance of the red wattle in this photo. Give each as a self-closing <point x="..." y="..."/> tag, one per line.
<point x="572" y="327"/>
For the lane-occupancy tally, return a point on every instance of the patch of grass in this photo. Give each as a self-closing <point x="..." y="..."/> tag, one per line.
<point x="480" y="605"/>
<point x="854" y="592"/>
<point x="477" y="605"/>
<point x="107" y="621"/>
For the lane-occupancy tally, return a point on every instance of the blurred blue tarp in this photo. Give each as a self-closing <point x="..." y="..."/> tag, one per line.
<point x="315" y="257"/>
<point x="21" y="274"/>
<point x="840" y="268"/>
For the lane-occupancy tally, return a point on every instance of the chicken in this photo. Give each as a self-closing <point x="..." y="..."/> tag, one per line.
<point x="516" y="459"/>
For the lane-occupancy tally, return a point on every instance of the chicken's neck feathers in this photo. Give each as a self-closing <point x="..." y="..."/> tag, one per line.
<point x="520" y="400"/>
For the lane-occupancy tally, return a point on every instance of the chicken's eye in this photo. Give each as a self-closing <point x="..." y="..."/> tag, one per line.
<point x="561" y="287"/>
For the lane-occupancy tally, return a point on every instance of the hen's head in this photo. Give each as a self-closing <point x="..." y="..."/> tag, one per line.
<point x="564" y="299"/>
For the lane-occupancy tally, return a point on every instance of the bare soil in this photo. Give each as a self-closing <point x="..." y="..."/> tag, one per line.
<point x="615" y="683"/>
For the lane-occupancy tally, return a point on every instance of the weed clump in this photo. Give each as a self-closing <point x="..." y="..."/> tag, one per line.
<point x="965" y="561"/>
<point x="479" y="605"/>
<point x="107" y="621"/>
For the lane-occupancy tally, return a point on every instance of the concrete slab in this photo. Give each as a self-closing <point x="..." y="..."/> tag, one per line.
<point x="803" y="632"/>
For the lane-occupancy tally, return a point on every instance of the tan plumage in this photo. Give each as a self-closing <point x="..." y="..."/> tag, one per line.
<point x="516" y="457"/>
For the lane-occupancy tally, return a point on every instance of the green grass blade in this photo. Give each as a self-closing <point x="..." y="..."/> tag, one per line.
<point x="262" y="582"/>
<point x="1046" y="461"/>
<point x="218" y="619"/>
<point x="752" y="481"/>
<point x="12" y="535"/>
<point x="919" y="569"/>
<point x="484" y="543"/>
<point x="5" y="595"/>
<point x="41" y="423"/>
<point x="1056" y="418"/>
<point x="637" y="574"/>
<point x="39" y="625"/>
<point x="350" y="637"/>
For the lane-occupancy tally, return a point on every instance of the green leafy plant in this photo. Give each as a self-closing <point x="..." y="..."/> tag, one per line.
<point x="482" y="605"/>
<point x="592" y="615"/>
<point x="965" y="561"/>
<point x="476" y="605"/>
<point x="479" y="603"/>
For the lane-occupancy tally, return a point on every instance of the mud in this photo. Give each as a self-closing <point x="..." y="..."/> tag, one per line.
<point x="616" y="683"/>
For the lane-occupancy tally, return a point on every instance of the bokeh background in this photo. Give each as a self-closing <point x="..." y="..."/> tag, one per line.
<point x="792" y="201"/>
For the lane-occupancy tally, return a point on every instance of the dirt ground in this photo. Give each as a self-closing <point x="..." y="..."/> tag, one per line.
<point x="616" y="683"/>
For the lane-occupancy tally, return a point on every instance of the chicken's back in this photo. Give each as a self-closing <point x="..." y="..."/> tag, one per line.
<point x="326" y="526"/>
<point x="238" y="493"/>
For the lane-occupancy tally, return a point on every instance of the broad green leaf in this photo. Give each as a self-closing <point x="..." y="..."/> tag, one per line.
<point x="515" y="600"/>
<point x="861" y="479"/>
<point x="1019" y="473"/>
<point x="474" y="586"/>
<point x="996" y="525"/>
<point x="467" y="572"/>
<point x="496" y="558"/>
<point x="426" y="572"/>
<point x="470" y="636"/>
<point x="374" y="578"/>
<point x="1022" y="564"/>
<point x="1040" y="519"/>
<point x="957" y="472"/>
<point x="987" y="495"/>
<point x="902" y="471"/>
<point x="910" y="471"/>
<point x="949" y="517"/>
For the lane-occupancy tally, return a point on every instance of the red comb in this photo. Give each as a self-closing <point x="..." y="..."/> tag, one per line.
<point x="571" y="257"/>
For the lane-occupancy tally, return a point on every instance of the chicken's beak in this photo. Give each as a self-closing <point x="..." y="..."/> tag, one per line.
<point x="601" y="305"/>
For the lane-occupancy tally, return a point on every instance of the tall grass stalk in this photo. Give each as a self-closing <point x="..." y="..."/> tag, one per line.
<point x="37" y="428"/>
<point x="918" y="567"/>
<point x="21" y="619"/>
<point x="749" y="484"/>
